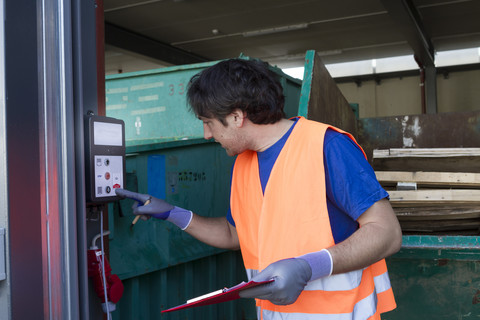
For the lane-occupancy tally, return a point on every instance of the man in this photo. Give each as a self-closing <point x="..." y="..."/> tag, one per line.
<point x="306" y="209"/>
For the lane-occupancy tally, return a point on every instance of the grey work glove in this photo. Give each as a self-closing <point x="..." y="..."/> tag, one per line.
<point x="157" y="208"/>
<point x="290" y="275"/>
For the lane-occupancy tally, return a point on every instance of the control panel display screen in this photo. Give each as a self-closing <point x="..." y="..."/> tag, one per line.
<point x="107" y="134"/>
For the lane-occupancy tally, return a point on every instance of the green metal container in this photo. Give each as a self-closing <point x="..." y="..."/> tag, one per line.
<point x="153" y="103"/>
<point x="167" y="157"/>
<point x="433" y="276"/>
<point x="436" y="277"/>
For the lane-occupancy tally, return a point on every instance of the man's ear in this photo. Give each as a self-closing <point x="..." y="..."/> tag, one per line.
<point x="239" y="117"/>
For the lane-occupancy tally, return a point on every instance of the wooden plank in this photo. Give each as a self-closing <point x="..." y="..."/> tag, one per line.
<point x="448" y="164"/>
<point x="426" y="152"/>
<point x="434" y="197"/>
<point x="422" y="178"/>
<point x="430" y="214"/>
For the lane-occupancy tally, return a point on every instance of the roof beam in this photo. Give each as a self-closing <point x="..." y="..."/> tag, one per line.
<point x="408" y="18"/>
<point x="134" y="42"/>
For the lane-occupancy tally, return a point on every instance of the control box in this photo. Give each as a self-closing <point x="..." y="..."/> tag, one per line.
<point x="104" y="158"/>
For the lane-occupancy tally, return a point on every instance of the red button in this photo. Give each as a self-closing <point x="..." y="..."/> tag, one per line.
<point x="116" y="185"/>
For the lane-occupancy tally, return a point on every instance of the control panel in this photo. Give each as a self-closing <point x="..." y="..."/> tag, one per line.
<point x="104" y="158"/>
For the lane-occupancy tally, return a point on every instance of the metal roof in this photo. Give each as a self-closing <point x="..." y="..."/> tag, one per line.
<point x="281" y="31"/>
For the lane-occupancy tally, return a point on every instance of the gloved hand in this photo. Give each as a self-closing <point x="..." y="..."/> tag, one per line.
<point x="157" y="208"/>
<point x="290" y="275"/>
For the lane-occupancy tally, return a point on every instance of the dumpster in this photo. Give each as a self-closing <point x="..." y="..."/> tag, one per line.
<point x="435" y="275"/>
<point x="167" y="157"/>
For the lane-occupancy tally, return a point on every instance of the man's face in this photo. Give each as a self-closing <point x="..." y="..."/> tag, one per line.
<point x="228" y="136"/>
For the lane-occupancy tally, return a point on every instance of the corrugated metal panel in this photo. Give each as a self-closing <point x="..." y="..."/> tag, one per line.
<point x="194" y="176"/>
<point x="147" y="295"/>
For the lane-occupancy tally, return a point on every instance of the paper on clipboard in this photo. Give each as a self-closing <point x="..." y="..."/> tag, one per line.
<point x="224" y="295"/>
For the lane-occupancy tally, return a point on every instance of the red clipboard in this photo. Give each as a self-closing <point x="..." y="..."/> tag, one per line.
<point x="224" y="295"/>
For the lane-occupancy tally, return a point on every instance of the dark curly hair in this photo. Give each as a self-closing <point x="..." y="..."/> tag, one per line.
<point x="248" y="85"/>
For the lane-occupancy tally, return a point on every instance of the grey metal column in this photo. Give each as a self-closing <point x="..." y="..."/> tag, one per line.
<point x="57" y="161"/>
<point x="5" y="311"/>
<point x="85" y="98"/>
<point x="39" y="182"/>
<point x="431" y="89"/>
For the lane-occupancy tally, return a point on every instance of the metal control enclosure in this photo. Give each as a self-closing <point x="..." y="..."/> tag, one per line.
<point x="104" y="158"/>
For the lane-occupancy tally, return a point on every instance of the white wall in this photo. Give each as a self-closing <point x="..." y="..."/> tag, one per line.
<point x="459" y="92"/>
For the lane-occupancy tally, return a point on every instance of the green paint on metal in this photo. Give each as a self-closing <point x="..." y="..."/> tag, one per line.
<point x="291" y="90"/>
<point x="161" y="70"/>
<point x="145" y="146"/>
<point x="465" y="248"/>
<point x="147" y="295"/>
<point x="382" y="131"/>
<point x="356" y="109"/>
<point x="427" y="288"/>
<point x="153" y="103"/>
<point x="436" y="277"/>
<point x="442" y="242"/>
<point x="306" y="84"/>
<point x="197" y="177"/>
<point x="160" y="265"/>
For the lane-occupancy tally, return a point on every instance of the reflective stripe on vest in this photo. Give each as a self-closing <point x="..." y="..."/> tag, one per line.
<point x="382" y="282"/>
<point x="364" y="309"/>
<point x="291" y="219"/>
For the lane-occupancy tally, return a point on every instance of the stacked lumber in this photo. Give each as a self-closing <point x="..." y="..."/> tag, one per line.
<point x="428" y="159"/>
<point x="446" y="201"/>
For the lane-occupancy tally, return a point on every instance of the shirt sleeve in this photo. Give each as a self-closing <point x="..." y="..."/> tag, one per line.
<point x="351" y="184"/>
<point x="229" y="213"/>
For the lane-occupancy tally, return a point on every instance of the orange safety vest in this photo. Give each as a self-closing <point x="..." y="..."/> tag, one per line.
<point x="291" y="219"/>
